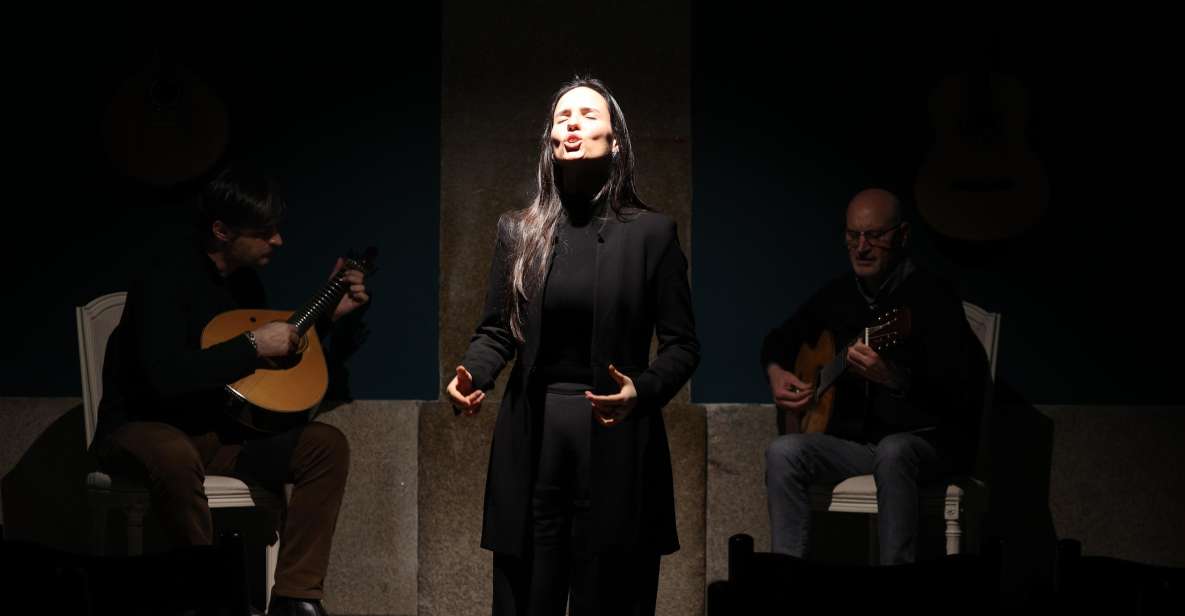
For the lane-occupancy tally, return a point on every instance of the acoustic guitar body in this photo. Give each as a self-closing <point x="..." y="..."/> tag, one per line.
<point x="981" y="182"/>
<point x="284" y="391"/>
<point x="810" y="361"/>
<point x="820" y="366"/>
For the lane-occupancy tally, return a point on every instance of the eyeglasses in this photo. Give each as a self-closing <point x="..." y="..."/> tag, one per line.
<point x="875" y="237"/>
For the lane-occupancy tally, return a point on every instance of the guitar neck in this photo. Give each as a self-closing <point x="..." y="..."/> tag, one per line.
<point x="835" y="368"/>
<point x="830" y="372"/>
<point x="325" y="299"/>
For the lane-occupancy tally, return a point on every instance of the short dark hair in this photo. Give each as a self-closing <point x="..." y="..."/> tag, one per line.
<point x="243" y="197"/>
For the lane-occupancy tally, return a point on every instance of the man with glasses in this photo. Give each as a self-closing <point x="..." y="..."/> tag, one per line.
<point x="905" y="415"/>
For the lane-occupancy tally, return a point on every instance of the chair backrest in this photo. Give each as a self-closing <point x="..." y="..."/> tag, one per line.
<point x="95" y="321"/>
<point x="986" y="326"/>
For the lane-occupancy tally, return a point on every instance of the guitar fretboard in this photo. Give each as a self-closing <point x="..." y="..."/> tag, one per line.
<point x="324" y="300"/>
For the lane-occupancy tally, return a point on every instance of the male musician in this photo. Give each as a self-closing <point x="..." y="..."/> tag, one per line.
<point x="906" y="415"/>
<point x="160" y="416"/>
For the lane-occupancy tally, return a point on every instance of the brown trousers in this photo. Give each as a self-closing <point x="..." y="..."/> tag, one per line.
<point x="315" y="458"/>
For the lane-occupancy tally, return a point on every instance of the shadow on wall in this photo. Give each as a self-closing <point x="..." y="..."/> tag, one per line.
<point x="44" y="495"/>
<point x="1016" y="461"/>
<point x="47" y="516"/>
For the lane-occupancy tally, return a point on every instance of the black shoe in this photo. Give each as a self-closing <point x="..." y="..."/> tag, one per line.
<point x="288" y="606"/>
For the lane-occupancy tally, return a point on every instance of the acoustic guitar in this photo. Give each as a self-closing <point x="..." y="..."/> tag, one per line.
<point x="284" y="391"/>
<point x="821" y="365"/>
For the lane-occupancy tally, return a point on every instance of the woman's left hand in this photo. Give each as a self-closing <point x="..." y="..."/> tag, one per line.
<point x="609" y="410"/>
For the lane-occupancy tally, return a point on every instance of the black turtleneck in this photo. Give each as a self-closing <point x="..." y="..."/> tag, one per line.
<point x="565" y="346"/>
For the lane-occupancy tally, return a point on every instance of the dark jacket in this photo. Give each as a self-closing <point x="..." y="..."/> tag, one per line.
<point x="641" y="290"/>
<point x="945" y="364"/>
<point x="155" y="368"/>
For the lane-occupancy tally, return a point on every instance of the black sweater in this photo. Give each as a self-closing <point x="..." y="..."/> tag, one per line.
<point x="945" y="364"/>
<point x="155" y="368"/>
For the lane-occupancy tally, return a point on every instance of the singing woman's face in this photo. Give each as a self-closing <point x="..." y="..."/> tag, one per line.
<point x="581" y="126"/>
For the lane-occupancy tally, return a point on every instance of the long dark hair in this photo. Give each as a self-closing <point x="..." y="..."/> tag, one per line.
<point x="530" y="232"/>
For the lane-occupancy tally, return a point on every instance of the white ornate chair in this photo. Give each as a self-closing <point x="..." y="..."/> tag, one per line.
<point x="96" y="321"/>
<point x="960" y="501"/>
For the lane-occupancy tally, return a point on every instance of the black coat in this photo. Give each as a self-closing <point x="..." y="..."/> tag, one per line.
<point x="641" y="290"/>
<point x="945" y="364"/>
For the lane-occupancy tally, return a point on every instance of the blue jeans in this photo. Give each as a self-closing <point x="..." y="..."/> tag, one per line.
<point x="898" y="463"/>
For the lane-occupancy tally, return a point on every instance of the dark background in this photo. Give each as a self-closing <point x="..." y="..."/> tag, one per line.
<point x="795" y="113"/>
<point x="792" y="114"/>
<point x="343" y="111"/>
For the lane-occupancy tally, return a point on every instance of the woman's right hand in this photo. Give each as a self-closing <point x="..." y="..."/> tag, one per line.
<point x="462" y="394"/>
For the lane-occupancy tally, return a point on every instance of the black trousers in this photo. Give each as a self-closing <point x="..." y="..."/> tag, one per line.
<point x="552" y="574"/>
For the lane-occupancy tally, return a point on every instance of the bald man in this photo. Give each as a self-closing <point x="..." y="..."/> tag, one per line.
<point x="907" y="415"/>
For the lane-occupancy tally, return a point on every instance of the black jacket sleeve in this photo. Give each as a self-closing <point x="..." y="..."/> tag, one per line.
<point x="492" y="344"/>
<point x="782" y="343"/>
<point x="678" y="348"/>
<point x="173" y="362"/>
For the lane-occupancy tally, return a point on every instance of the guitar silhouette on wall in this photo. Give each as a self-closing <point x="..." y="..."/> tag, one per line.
<point x="164" y="125"/>
<point x="981" y="181"/>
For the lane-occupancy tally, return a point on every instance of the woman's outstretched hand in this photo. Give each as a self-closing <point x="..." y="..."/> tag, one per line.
<point x="612" y="409"/>
<point x="462" y="394"/>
